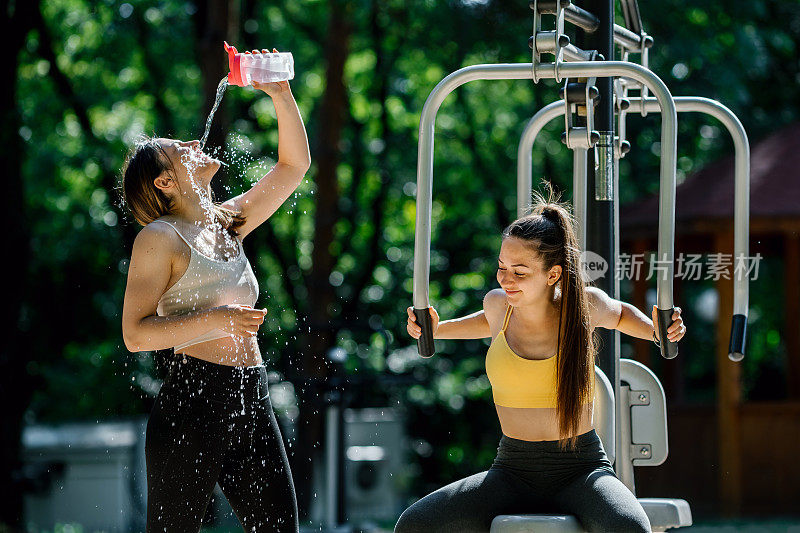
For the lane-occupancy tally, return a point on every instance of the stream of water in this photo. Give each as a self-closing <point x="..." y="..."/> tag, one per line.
<point x="223" y="84"/>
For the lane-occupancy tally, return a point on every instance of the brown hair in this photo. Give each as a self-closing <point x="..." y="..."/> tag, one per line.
<point x="145" y="201"/>
<point x="549" y="230"/>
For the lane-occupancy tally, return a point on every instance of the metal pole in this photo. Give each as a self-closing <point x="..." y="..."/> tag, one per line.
<point x="332" y="463"/>
<point x="590" y="24"/>
<point x="600" y="180"/>
<point x="525" y="155"/>
<point x="525" y="71"/>
<point x="580" y="161"/>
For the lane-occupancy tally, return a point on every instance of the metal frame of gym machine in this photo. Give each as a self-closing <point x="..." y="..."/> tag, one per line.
<point x="580" y="69"/>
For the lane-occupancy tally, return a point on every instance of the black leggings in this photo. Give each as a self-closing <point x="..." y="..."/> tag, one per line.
<point x="214" y="424"/>
<point x="532" y="478"/>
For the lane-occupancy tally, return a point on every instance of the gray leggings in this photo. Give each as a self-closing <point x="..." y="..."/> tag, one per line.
<point x="532" y="478"/>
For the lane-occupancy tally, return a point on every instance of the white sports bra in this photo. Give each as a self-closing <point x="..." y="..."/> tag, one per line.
<point x="209" y="283"/>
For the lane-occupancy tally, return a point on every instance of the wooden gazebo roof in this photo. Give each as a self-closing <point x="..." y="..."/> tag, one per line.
<point x="705" y="199"/>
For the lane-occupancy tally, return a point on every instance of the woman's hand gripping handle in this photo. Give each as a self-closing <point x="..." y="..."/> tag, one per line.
<point x="422" y="325"/>
<point x="668" y="325"/>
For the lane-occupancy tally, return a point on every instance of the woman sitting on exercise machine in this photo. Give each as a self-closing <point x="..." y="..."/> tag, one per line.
<point x="541" y="367"/>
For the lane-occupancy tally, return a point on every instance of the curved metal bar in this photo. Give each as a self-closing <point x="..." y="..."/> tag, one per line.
<point x="741" y="144"/>
<point x="741" y="210"/>
<point x="526" y="71"/>
<point x="525" y="168"/>
<point x="525" y="154"/>
<point x="422" y="228"/>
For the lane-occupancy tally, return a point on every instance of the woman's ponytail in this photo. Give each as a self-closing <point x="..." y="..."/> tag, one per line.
<point x="549" y="229"/>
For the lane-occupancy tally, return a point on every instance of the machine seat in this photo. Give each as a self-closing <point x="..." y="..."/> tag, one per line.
<point x="664" y="514"/>
<point x="667" y="513"/>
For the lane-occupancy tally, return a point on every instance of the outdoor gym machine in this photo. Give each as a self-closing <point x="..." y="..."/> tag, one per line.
<point x="638" y="406"/>
<point x="651" y="426"/>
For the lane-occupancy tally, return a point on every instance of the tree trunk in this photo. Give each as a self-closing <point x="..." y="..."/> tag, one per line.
<point x="16" y="385"/>
<point x="320" y="292"/>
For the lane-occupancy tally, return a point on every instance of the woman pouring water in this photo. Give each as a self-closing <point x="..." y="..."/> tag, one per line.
<point x="191" y="288"/>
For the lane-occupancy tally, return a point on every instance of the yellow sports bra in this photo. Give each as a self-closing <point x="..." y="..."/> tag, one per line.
<point x="520" y="382"/>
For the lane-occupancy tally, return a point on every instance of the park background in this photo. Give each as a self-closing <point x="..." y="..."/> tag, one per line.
<point x="85" y="79"/>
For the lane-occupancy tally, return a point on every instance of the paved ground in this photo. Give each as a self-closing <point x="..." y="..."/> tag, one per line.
<point x="774" y="525"/>
<point x="777" y="525"/>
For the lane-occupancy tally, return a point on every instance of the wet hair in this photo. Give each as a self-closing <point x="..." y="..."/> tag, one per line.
<point x="549" y="231"/>
<point x="146" y="202"/>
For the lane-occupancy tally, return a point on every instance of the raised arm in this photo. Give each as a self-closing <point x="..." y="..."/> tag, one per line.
<point x="269" y="193"/>
<point x="148" y="276"/>
<point x="606" y="312"/>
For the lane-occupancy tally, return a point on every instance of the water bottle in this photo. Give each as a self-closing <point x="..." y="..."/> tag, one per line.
<point x="262" y="67"/>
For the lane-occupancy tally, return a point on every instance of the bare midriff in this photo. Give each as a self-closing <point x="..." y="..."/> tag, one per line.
<point x="534" y="424"/>
<point x="231" y="351"/>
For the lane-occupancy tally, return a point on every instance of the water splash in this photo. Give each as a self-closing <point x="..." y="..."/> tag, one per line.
<point x="193" y="160"/>
<point x="223" y="84"/>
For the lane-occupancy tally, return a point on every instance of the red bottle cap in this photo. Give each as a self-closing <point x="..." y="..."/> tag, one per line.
<point x="235" y="74"/>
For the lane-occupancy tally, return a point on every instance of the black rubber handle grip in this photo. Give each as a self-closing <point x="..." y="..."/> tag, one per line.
<point x="425" y="344"/>
<point x="738" y="337"/>
<point x="668" y="349"/>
